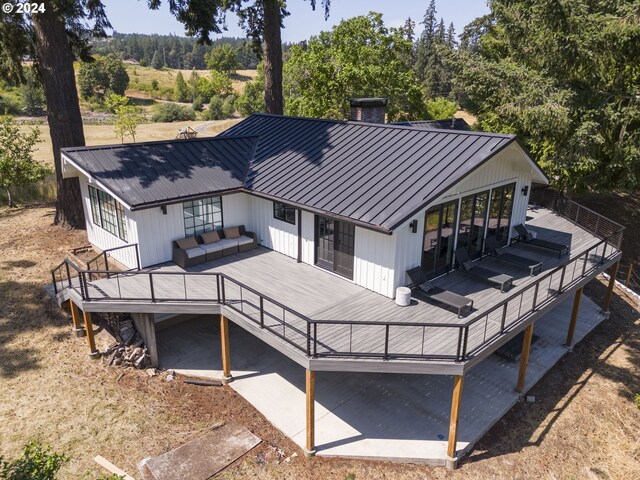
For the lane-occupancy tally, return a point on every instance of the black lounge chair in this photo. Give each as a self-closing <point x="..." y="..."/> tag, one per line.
<point x="437" y="294"/>
<point x="504" y="281"/>
<point x="497" y="251"/>
<point x="525" y="236"/>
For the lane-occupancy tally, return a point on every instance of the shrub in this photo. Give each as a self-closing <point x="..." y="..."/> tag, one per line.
<point x="36" y="462"/>
<point x="637" y="399"/>
<point x="198" y="104"/>
<point x="229" y="106"/>
<point x="154" y="84"/>
<point x="215" y="108"/>
<point x="170" y="112"/>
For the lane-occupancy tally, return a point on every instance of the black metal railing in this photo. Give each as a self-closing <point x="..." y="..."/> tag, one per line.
<point x="103" y="257"/>
<point x="593" y="222"/>
<point x="328" y="338"/>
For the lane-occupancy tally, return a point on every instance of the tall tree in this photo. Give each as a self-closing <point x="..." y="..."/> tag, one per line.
<point x="359" y="57"/>
<point x="262" y="21"/>
<point x="54" y="38"/>
<point x="563" y="75"/>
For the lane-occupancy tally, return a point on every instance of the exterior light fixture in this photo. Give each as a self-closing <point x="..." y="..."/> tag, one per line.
<point x="525" y="190"/>
<point x="413" y="226"/>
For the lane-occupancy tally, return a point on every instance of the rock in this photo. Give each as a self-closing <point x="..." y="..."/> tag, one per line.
<point x="152" y="372"/>
<point x="531" y="399"/>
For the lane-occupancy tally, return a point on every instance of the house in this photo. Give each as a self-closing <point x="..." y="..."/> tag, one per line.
<point x="341" y="211"/>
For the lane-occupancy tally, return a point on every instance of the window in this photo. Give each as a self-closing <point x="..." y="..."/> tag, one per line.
<point x="284" y="212"/>
<point x="107" y="213"/>
<point x="202" y="215"/>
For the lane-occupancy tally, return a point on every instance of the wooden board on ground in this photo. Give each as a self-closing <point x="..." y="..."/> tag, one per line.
<point x="201" y="458"/>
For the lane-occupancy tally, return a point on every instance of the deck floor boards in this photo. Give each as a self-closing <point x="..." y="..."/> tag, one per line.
<point x="320" y="295"/>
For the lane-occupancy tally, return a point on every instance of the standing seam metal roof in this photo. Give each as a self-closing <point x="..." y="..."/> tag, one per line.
<point x="373" y="173"/>
<point x="145" y="174"/>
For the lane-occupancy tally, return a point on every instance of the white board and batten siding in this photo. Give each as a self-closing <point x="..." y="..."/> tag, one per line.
<point x="103" y="239"/>
<point x="374" y="261"/>
<point x="507" y="167"/>
<point x="273" y="233"/>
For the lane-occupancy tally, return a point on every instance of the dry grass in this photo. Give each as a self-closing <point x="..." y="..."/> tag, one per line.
<point x="584" y="423"/>
<point x="167" y="77"/>
<point x="104" y="135"/>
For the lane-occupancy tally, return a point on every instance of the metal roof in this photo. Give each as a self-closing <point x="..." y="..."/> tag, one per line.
<point x="446" y="124"/>
<point x="377" y="174"/>
<point x="151" y="173"/>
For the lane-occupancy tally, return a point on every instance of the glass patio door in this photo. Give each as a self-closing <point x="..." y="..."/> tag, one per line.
<point x="335" y="245"/>
<point x="500" y="213"/>
<point x="473" y="219"/>
<point x="439" y="231"/>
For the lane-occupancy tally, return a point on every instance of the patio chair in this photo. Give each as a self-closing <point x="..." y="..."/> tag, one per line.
<point x="498" y="252"/>
<point x="527" y="238"/>
<point x="504" y="281"/>
<point x="439" y="295"/>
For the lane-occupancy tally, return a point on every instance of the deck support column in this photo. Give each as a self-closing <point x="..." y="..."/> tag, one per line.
<point x="311" y="413"/>
<point x="458" y="382"/>
<point x="574" y="318"/>
<point x="88" y="326"/>
<point x="524" y="358"/>
<point x="77" y="329"/>
<point x="226" y="357"/>
<point x="612" y="281"/>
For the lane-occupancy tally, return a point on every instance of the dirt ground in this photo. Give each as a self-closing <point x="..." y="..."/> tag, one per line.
<point x="583" y="424"/>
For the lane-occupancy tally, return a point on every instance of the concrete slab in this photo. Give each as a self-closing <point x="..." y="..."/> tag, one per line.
<point x="203" y="457"/>
<point x="381" y="416"/>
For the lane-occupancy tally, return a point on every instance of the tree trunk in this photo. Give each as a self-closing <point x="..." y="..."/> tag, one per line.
<point x="272" y="58"/>
<point x="63" y="109"/>
<point x="10" y="199"/>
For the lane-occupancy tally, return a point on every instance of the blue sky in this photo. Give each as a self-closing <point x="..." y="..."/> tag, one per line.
<point x="133" y="16"/>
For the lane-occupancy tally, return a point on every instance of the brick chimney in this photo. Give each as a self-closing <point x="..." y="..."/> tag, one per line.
<point x="371" y="110"/>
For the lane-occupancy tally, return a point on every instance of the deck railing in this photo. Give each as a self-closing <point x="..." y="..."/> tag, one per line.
<point x="345" y="338"/>
<point x="94" y="263"/>
<point x="591" y="221"/>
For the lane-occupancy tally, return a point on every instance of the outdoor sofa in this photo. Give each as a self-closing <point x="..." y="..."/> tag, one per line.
<point x="497" y="251"/>
<point x="208" y="246"/>
<point x="527" y="238"/>
<point x="504" y="281"/>
<point x="421" y="285"/>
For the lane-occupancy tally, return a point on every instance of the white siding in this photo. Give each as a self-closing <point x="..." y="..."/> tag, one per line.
<point x="273" y="233"/>
<point x="156" y="232"/>
<point x="236" y="210"/>
<point x="308" y="238"/>
<point x="374" y="261"/>
<point x="508" y="166"/>
<point x="102" y="239"/>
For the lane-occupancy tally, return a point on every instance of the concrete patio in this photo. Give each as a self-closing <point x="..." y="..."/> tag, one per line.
<point x="375" y="416"/>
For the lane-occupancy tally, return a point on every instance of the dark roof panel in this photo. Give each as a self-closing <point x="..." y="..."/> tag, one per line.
<point x="373" y="173"/>
<point x="144" y="174"/>
<point x="446" y="124"/>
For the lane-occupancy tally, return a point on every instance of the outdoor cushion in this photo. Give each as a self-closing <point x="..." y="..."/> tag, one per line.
<point x="243" y="240"/>
<point x="228" y="242"/>
<point x="212" y="247"/>
<point x="195" y="252"/>
<point x="210" y="237"/>
<point x="187" y="243"/>
<point x="232" y="232"/>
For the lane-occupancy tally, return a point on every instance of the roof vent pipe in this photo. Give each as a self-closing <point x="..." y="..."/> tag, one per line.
<point x="371" y="110"/>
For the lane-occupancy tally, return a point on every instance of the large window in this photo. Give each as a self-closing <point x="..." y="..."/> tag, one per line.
<point x="107" y="213"/>
<point x="284" y="212"/>
<point x="202" y="215"/>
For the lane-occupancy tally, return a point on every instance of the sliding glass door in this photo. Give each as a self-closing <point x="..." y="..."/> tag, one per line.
<point x="473" y="219"/>
<point x="439" y="231"/>
<point x="500" y="213"/>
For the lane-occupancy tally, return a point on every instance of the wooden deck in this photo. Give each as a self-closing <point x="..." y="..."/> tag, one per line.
<point x="324" y="298"/>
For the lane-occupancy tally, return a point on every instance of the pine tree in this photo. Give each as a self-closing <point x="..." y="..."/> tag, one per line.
<point x="423" y="49"/>
<point x="156" y="61"/>
<point x="451" y="36"/>
<point x="181" y="90"/>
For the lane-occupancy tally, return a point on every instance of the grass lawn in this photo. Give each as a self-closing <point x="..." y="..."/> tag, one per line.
<point x="583" y="424"/>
